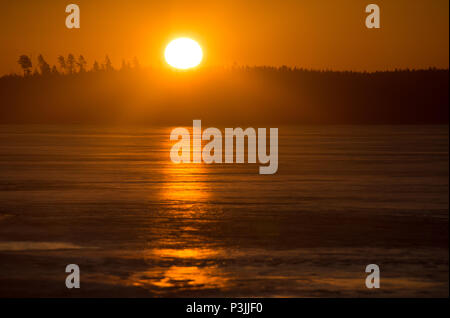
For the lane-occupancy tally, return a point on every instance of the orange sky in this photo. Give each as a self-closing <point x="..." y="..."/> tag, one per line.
<point x="311" y="34"/>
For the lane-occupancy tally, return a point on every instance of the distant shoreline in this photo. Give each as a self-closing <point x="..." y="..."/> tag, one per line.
<point x="240" y="96"/>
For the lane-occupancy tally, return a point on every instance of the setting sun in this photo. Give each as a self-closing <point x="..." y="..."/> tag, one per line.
<point x="183" y="53"/>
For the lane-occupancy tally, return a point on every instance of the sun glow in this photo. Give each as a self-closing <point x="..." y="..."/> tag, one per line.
<point x="183" y="53"/>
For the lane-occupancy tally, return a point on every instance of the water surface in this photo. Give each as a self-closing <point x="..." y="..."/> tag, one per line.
<point x="111" y="201"/>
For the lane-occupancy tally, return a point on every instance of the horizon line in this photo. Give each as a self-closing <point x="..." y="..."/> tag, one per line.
<point x="35" y="70"/>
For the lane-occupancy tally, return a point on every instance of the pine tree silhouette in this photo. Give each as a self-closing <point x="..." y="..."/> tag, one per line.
<point x="25" y="62"/>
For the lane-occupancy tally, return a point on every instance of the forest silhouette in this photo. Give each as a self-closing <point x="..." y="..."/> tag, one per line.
<point x="70" y="93"/>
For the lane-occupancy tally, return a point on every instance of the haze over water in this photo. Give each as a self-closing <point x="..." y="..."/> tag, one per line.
<point x="111" y="201"/>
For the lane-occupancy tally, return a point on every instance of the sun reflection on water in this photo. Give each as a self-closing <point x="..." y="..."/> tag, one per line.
<point x="182" y="277"/>
<point x="188" y="253"/>
<point x="186" y="261"/>
<point x="185" y="184"/>
<point x="191" y="269"/>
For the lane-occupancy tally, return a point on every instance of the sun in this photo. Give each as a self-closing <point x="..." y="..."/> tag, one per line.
<point x="183" y="53"/>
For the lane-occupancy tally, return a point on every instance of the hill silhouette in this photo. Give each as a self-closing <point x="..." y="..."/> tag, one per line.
<point x="234" y="96"/>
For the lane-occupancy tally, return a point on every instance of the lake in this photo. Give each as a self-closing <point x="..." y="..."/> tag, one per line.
<point x="110" y="200"/>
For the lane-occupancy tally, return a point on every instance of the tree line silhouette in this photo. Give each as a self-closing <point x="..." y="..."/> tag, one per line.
<point x="72" y="92"/>
<point x="69" y="65"/>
